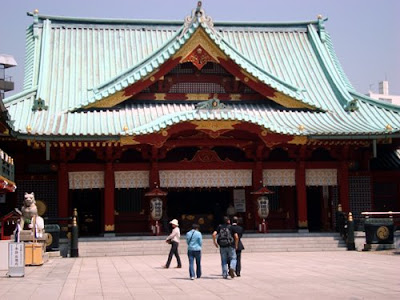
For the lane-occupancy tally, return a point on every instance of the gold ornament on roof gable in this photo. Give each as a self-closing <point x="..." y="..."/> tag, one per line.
<point x="389" y="127"/>
<point x="125" y="128"/>
<point x="301" y="127"/>
<point x="198" y="15"/>
<point x="28" y="128"/>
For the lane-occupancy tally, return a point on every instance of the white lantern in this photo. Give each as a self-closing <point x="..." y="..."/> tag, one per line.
<point x="263" y="207"/>
<point x="156" y="209"/>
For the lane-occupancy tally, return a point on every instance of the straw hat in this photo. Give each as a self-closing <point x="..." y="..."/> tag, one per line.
<point x="174" y="222"/>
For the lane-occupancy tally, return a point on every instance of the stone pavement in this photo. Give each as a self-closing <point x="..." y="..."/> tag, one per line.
<point x="272" y="275"/>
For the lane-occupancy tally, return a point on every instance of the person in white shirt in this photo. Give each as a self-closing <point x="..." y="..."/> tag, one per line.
<point x="173" y="239"/>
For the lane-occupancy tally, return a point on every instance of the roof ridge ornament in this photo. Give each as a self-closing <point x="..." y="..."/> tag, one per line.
<point x="351" y="106"/>
<point x="321" y="28"/>
<point x="39" y="105"/>
<point x="211" y="104"/>
<point x="198" y="15"/>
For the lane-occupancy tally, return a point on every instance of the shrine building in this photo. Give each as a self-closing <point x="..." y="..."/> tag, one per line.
<point x="202" y="115"/>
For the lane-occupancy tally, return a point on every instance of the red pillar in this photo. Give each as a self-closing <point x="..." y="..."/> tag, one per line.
<point x="301" y="195"/>
<point x="109" y="187"/>
<point x="62" y="190"/>
<point x="343" y="181"/>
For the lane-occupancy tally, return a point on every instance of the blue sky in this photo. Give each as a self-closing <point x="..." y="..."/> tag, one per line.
<point x="365" y="33"/>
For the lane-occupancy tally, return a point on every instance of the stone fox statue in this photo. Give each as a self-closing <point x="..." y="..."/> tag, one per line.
<point x="30" y="213"/>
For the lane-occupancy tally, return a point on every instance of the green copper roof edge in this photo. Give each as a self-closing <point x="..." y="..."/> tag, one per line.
<point x="355" y="136"/>
<point x="170" y="22"/>
<point x="375" y="102"/>
<point x="142" y="63"/>
<point x="43" y="52"/>
<point x="104" y="20"/>
<point x="337" y="64"/>
<point x="165" y="48"/>
<point x="278" y="80"/>
<point x="337" y="85"/>
<point x="28" y="60"/>
<point x="19" y="95"/>
<point x="189" y="116"/>
<point x="281" y="84"/>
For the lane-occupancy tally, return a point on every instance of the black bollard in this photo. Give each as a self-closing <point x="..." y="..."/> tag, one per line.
<point x="74" y="236"/>
<point x="350" y="233"/>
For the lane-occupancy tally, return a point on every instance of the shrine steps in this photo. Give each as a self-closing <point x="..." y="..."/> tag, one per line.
<point x="272" y="242"/>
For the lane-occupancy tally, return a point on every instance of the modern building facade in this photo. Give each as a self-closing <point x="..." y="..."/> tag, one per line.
<point x="201" y="115"/>
<point x="7" y="170"/>
<point x="384" y="94"/>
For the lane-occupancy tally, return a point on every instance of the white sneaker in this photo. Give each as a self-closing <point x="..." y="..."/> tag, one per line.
<point x="191" y="278"/>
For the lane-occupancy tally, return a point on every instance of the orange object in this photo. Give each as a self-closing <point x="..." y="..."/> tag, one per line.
<point x="33" y="254"/>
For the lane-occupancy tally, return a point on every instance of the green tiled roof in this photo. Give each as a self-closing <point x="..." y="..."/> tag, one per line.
<point x="148" y="118"/>
<point x="72" y="63"/>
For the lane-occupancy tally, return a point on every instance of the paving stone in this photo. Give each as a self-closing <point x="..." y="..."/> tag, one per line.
<point x="265" y="275"/>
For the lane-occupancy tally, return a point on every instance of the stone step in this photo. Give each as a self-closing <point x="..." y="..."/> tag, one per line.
<point x="292" y="242"/>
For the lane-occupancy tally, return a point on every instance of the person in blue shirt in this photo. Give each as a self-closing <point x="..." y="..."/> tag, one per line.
<point x="194" y="240"/>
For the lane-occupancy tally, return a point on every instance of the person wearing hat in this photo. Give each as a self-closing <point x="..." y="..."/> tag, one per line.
<point x="173" y="239"/>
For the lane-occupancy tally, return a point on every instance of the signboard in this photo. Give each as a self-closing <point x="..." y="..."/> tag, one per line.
<point x="239" y="200"/>
<point x="16" y="260"/>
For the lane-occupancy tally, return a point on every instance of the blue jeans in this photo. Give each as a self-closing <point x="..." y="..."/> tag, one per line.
<point x="227" y="253"/>
<point x="194" y="255"/>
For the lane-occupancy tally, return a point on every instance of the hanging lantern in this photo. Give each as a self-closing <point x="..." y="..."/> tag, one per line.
<point x="156" y="210"/>
<point x="263" y="207"/>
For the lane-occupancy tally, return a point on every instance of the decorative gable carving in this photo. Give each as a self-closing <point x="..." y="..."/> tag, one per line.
<point x="206" y="156"/>
<point x="199" y="57"/>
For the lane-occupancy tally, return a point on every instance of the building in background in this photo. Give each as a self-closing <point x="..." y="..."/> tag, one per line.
<point x="6" y="84"/>
<point x="7" y="169"/>
<point x="6" y="161"/>
<point x="384" y="94"/>
<point x="116" y="115"/>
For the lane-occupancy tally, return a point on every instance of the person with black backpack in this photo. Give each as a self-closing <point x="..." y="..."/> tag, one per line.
<point x="227" y="241"/>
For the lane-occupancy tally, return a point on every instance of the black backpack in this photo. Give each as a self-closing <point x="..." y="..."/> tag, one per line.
<point x="224" y="238"/>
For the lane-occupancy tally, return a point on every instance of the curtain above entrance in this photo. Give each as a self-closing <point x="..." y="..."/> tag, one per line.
<point x="321" y="177"/>
<point x="86" y="180"/>
<point x="206" y="178"/>
<point x="279" y="177"/>
<point x="131" y="179"/>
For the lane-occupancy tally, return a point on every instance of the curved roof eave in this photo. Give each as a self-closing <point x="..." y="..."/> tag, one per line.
<point x="194" y="115"/>
<point x="142" y="69"/>
<point x="16" y="97"/>
<point x="265" y="77"/>
<point x="175" y="43"/>
<point x="331" y="68"/>
<point x="164" y="22"/>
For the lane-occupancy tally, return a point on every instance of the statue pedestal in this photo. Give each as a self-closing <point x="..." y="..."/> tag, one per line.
<point x="34" y="254"/>
<point x="27" y="236"/>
